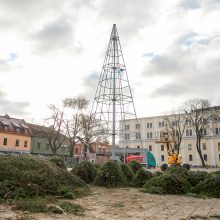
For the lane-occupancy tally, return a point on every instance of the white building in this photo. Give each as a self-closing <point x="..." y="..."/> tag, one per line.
<point x="149" y="129"/>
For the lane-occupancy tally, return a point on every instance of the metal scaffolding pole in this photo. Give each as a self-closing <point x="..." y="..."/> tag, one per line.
<point x="113" y="103"/>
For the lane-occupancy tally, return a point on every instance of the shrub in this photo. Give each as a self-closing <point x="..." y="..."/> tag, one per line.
<point x="168" y="183"/>
<point x="58" y="161"/>
<point x="209" y="187"/>
<point x="85" y="170"/>
<point x="110" y="175"/>
<point x="141" y="177"/>
<point x="135" y="166"/>
<point x="128" y="173"/>
<point x="97" y="166"/>
<point x="197" y="176"/>
<point x="72" y="208"/>
<point x="177" y="169"/>
<point x="35" y="205"/>
<point x="29" y="176"/>
<point x="157" y="173"/>
<point x="216" y="172"/>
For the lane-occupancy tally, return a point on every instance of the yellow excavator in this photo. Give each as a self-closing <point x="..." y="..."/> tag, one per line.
<point x="174" y="158"/>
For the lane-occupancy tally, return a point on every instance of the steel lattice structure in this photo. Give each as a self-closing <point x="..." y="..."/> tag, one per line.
<point x="113" y="102"/>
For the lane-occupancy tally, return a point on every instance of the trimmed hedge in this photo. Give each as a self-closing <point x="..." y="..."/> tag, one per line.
<point x="58" y="161"/>
<point x="85" y="170"/>
<point x="110" y="175"/>
<point x="135" y="166"/>
<point x="197" y="176"/>
<point x="209" y="187"/>
<point x="141" y="177"/>
<point x="157" y="173"/>
<point x="29" y="176"/>
<point x="128" y="173"/>
<point x="167" y="184"/>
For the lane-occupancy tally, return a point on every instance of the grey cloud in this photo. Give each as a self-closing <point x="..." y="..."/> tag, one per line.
<point x="191" y="4"/>
<point x="57" y="35"/>
<point x="22" y="14"/>
<point x="90" y="84"/>
<point x="192" y="72"/>
<point x="8" y="63"/>
<point x="171" y="89"/>
<point x="10" y="107"/>
<point x="177" y="61"/>
<point x="130" y="15"/>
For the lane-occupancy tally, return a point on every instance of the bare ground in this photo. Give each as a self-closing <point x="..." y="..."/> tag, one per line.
<point x="130" y="203"/>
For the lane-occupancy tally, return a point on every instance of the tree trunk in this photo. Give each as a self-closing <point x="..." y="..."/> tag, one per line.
<point x="198" y="147"/>
<point x="71" y="150"/>
<point x="85" y="151"/>
<point x="178" y="148"/>
<point x="54" y="151"/>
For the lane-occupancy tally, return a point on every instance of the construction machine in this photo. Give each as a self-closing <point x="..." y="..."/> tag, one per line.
<point x="174" y="158"/>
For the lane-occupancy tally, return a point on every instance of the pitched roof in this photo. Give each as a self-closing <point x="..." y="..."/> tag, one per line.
<point x="13" y="123"/>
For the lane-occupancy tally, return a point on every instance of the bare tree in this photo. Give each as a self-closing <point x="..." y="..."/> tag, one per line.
<point x="55" y="133"/>
<point x="200" y="117"/>
<point x="77" y="105"/>
<point x="175" y="126"/>
<point x="89" y="135"/>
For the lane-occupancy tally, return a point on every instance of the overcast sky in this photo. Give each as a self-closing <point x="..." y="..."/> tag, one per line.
<point x="52" y="49"/>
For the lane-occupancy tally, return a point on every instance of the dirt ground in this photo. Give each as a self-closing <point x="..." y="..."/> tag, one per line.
<point x="130" y="203"/>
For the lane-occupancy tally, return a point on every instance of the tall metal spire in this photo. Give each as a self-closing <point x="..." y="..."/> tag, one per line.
<point x="113" y="102"/>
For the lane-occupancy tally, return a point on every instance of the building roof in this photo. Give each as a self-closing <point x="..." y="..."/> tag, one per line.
<point x="13" y="124"/>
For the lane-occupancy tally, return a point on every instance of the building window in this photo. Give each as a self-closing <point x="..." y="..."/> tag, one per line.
<point x="190" y="157"/>
<point x="219" y="157"/>
<point x="162" y="124"/>
<point x="188" y="122"/>
<point x="38" y="145"/>
<point x="216" y="131"/>
<point x="127" y="136"/>
<point x="17" y="143"/>
<point x="204" y="146"/>
<point x="162" y="147"/>
<point x="127" y="146"/>
<point x="17" y="129"/>
<point x="203" y="131"/>
<point x="162" y="157"/>
<point x="189" y="146"/>
<point x="138" y="147"/>
<point x="25" y="143"/>
<point x="205" y="157"/>
<point x="218" y="146"/>
<point x="138" y="136"/>
<point x="188" y="132"/>
<point x="126" y="127"/>
<point x="149" y="135"/>
<point x="150" y="147"/>
<point x="159" y="124"/>
<point x="149" y="125"/>
<point x="138" y="126"/>
<point x="47" y="146"/>
<point x="5" y="141"/>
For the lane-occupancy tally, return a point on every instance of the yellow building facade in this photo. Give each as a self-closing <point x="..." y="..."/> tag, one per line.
<point x="15" y="135"/>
